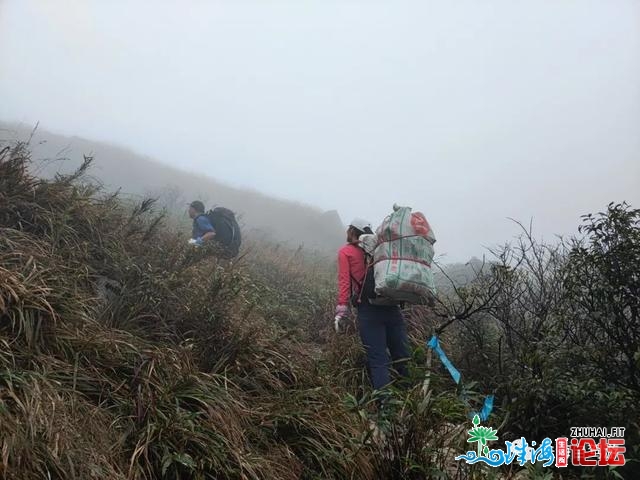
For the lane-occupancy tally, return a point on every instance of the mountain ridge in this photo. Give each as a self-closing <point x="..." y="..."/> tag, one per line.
<point x="119" y="167"/>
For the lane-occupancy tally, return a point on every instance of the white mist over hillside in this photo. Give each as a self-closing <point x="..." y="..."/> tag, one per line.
<point x="118" y="168"/>
<point x="471" y="111"/>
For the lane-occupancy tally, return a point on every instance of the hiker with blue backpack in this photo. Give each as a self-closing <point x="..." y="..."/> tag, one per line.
<point x="376" y="273"/>
<point x="218" y="224"/>
<point x="202" y="230"/>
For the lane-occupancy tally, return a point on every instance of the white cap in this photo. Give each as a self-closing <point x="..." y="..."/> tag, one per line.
<point x="360" y="224"/>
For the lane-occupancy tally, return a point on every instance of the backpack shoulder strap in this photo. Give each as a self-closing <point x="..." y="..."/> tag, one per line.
<point x="367" y="266"/>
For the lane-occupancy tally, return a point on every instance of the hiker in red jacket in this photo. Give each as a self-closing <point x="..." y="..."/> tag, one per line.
<point x="380" y="326"/>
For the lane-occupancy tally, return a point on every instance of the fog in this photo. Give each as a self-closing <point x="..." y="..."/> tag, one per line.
<point x="263" y="218"/>
<point x="471" y="111"/>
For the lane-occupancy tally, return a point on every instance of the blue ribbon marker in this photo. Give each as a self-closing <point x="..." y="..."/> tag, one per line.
<point x="434" y="343"/>
<point x="487" y="407"/>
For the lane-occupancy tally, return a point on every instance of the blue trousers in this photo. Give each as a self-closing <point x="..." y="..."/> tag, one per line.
<point x="382" y="328"/>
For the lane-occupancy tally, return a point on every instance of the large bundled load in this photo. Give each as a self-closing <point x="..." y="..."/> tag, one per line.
<point x="402" y="250"/>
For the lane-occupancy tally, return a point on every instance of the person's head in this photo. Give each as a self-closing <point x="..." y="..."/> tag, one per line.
<point x="357" y="227"/>
<point x="196" y="208"/>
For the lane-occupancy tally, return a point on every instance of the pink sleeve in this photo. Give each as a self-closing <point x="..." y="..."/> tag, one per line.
<point x="344" y="278"/>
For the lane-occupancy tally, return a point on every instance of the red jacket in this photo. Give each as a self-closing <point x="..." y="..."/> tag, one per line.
<point x="351" y="271"/>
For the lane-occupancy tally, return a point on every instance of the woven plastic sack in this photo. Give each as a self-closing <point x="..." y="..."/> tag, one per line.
<point x="403" y="256"/>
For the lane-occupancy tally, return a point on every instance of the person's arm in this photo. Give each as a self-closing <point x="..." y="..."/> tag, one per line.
<point x="205" y="226"/>
<point x="344" y="278"/>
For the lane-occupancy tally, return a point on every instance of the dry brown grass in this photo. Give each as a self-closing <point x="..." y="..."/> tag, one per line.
<point x="126" y="354"/>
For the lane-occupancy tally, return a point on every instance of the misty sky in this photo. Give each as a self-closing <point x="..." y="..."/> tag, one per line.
<point x="471" y="111"/>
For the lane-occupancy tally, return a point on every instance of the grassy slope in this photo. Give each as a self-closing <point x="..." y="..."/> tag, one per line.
<point x="119" y="168"/>
<point x="127" y="355"/>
